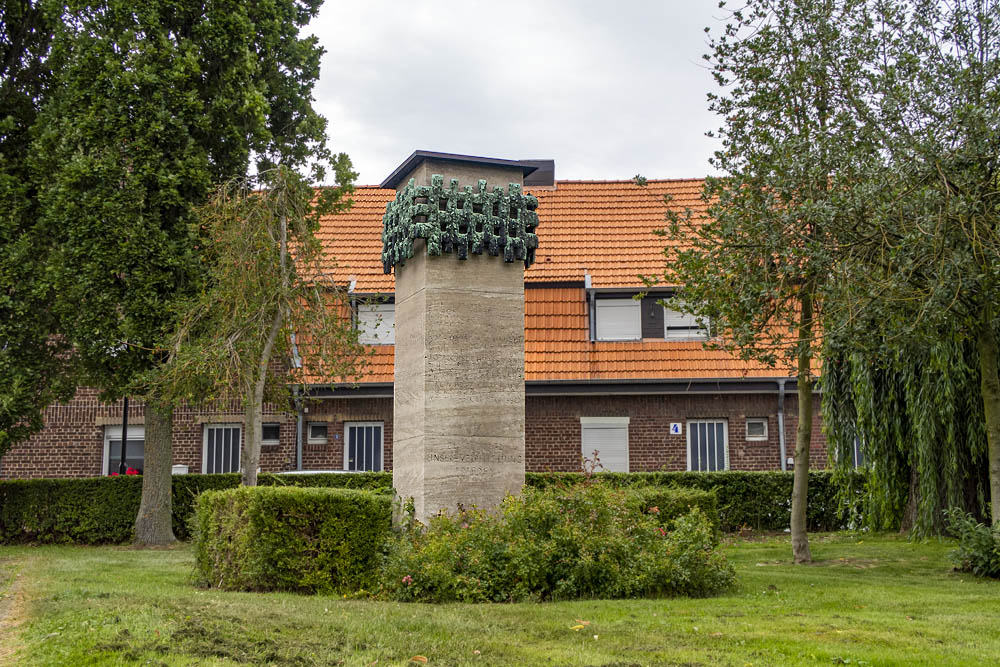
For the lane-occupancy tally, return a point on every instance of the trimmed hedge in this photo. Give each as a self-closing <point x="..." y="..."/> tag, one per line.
<point x="102" y="509"/>
<point x="747" y="499"/>
<point x="310" y="540"/>
<point x="85" y="511"/>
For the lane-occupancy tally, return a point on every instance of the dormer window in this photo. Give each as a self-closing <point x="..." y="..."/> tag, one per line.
<point x="622" y="318"/>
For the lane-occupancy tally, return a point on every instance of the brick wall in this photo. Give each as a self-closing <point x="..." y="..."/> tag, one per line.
<point x="553" y="437"/>
<point x="72" y="444"/>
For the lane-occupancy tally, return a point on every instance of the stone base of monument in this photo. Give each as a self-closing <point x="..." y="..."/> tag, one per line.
<point x="459" y="387"/>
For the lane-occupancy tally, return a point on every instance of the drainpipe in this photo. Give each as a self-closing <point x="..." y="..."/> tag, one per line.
<point x="781" y="424"/>
<point x="591" y="303"/>
<point x="121" y="463"/>
<point x="298" y="428"/>
<point x="298" y="391"/>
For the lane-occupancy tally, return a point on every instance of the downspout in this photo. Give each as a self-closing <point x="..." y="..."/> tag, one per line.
<point x="298" y="391"/>
<point x="591" y="306"/>
<point x="781" y="424"/>
<point x="298" y="428"/>
<point x="122" y="466"/>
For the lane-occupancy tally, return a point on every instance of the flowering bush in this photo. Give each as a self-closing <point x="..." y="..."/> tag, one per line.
<point x="587" y="541"/>
<point x="129" y="471"/>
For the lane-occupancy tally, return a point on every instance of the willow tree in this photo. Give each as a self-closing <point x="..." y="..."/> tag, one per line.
<point x="909" y="411"/>
<point x="927" y="260"/>
<point x="269" y="315"/>
<point x="152" y="104"/>
<point x="757" y="264"/>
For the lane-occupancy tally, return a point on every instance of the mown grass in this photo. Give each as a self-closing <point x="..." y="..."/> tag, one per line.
<point x="866" y="601"/>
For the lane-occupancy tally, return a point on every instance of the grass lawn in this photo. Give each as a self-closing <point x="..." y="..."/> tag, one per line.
<point x="866" y="601"/>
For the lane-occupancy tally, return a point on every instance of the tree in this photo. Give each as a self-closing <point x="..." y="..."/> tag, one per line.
<point x="927" y="259"/>
<point x="912" y="412"/>
<point x="261" y="305"/>
<point x="757" y="263"/>
<point x="151" y="104"/>
<point x="33" y="363"/>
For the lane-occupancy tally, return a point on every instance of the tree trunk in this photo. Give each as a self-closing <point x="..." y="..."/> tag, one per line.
<point x="909" y="519"/>
<point x="154" y="523"/>
<point x="987" y="344"/>
<point x="252" y="435"/>
<point x="803" y="435"/>
<point x="255" y="398"/>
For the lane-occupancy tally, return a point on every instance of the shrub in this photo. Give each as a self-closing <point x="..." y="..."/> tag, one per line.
<point x="290" y="538"/>
<point x="758" y="500"/>
<point x="978" y="544"/>
<point x="101" y="510"/>
<point x="587" y="541"/>
<point x="668" y="504"/>
<point x="87" y="511"/>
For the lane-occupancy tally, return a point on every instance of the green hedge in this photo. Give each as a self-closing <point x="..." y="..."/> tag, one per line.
<point x="290" y="538"/>
<point x="667" y="504"/>
<point x="99" y="510"/>
<point x="102" y="509"/>
<point x="86" y="511"/>
<point x="747" y="499"/>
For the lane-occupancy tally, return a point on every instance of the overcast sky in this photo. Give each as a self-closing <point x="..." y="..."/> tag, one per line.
<point x="607" y="90"/>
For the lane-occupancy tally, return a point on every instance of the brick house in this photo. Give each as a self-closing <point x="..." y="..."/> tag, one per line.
<point x="628" y="378"/>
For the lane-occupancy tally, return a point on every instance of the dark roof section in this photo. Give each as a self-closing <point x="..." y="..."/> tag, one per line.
<point x="543" y="177"/>
<point x="393" y="180"/>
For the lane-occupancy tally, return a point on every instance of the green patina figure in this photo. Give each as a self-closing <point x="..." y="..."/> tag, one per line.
<point x="461" y="221"/>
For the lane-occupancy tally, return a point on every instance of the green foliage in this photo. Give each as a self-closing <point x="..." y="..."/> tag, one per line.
<point x="746" y="499"/>
<point x="34" y="365"/>
<point x="924" y="269"/>
<point x="83" y="511"/>
<point x="917" y="413"/>
<point x="584" y="541"/>
<point x="978" y="544"/>
<point x="102" y="510"/>
<point x="290" y="539"/>
<point x="668" y="504"/>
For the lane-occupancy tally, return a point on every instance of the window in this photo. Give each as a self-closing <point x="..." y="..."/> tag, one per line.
<point x="270" y="434"/>
<point x="317" y="433"/>
<point x="618" y="319"/>
<point x="134" y="450"/>
<point x="683" y="326"/>
<point x="857" y="454"/>
<point x="377" y="324"/>
<point x="221" y="450"/>
<point x="757" y="428"/>
<point x="363" y="446"/>
<point x="708" y="445"/>
<point x="608" y="436"/>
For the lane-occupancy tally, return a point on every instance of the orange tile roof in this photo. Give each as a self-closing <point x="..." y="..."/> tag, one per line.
<point x="601" y="228"/>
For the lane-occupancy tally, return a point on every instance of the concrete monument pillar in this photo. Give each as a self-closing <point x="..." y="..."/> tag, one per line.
<point x="458" y="235"/>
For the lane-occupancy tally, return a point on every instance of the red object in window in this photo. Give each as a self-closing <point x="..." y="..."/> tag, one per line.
<point x="131" y="471"/>
<point x="114" y="474"/>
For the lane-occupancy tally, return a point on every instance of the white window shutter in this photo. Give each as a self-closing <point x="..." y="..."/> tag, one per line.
<point x="618" y="319"/>
<point x="682" y="326"/>
<point x="377" y="324"/>
<point x="609" y="440"/>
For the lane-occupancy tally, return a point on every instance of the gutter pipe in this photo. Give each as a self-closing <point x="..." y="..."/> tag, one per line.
<point x="591" y="306"/>
<point x="298" y="391"/>
<point x="781" y="424"/>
